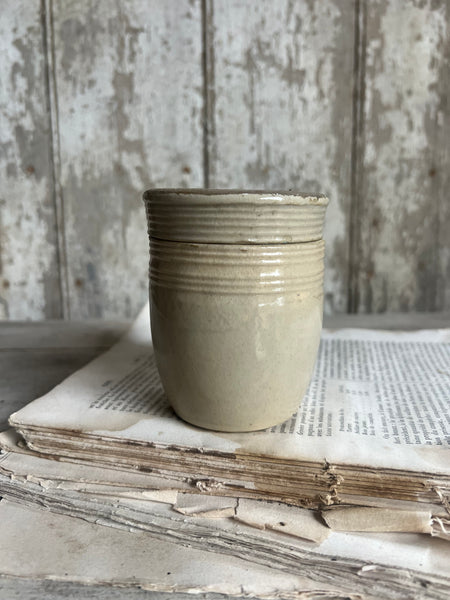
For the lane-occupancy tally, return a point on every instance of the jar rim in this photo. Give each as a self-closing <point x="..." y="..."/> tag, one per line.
<point x="234" y="216"/>
<point x="237" y="195"/>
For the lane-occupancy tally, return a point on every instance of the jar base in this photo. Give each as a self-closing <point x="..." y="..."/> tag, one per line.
<point x="225" y="428"/>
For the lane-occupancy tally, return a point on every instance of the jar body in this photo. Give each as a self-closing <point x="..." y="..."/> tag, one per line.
<point x="236" y="328"/>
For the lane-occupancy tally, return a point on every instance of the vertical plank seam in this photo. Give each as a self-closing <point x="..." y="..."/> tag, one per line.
<point x="356" y="162"/>
<point x="55" y="154"/>
<point x="441" y="247"/>
<point x="207" y="18"/>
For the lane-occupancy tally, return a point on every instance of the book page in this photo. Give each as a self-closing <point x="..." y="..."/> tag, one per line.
<point x="376" y="399"/>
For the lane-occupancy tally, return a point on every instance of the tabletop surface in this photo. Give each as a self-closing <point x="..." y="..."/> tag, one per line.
<point x="36" y="356"/>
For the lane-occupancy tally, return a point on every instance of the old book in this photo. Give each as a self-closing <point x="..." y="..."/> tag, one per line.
<point x="201" y="540"/>
<point x="29" y="478"/>
<point x="373" y="427"/>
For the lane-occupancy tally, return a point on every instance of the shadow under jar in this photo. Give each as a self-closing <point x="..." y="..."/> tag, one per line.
<point x="236" y="302"/>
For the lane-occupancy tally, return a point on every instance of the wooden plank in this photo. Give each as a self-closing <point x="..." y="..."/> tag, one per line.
<point x="129" y="88"/>
<point x="29" y="271"/>
<point x="280" y="107"/>
<point x="56" y="334"/>
<point x="403" y="252"/>
<point x="390" y="321"/>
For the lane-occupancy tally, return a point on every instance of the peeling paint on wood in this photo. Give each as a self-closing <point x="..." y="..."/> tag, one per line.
<point x="282" y="96"/>
<point x="102" y="99"/>
<point x="129" y="85"/>
<point x="404" y="261"/>
<point x="29" y="277"/>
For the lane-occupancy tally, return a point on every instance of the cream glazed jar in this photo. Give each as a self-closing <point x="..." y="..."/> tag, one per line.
<point x="236" y="302"/>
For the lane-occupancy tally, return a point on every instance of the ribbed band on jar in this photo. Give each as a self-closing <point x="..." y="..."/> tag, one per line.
<point x="234" y="217"/>
<point x="228" y="269"/>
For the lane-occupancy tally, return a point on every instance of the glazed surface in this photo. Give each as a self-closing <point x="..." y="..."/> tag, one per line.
<point x="235" y="217"/>
<point x="236" y="329"/>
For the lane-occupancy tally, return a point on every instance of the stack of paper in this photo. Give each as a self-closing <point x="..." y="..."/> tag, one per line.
<point x="368" y="451"/>
<point x="59" y="548"/>
<point x="202" y="541"/>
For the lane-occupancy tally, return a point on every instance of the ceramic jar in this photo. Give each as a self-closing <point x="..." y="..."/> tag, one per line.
<point x="236" y="300"/>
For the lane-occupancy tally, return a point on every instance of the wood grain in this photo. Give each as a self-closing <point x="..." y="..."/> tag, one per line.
<point x="101" y="99"/>
<point x="129" y="87"/>
<point x="29" y="275"/>
<point x="280" y="96"/>
<point x="402" y="258"/>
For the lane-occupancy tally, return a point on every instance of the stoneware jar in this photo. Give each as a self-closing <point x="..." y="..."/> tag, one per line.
<point x="236" y="301"/>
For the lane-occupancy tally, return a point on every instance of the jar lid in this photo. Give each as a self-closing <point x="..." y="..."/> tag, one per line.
<point x="234" y="216"/>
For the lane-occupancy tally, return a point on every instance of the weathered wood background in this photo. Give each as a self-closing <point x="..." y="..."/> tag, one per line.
<point x="100" y="99"/>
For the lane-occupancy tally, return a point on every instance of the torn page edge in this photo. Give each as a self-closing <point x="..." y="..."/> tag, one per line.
<point x="377" y="520"/>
